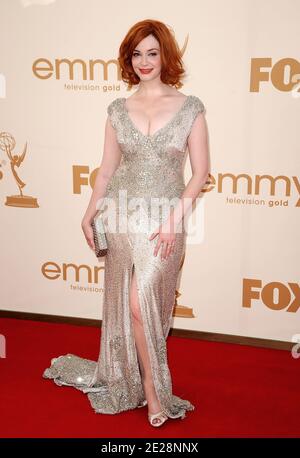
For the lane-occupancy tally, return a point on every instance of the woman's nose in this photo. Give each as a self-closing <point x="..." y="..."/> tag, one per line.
<point x="144" y="60"/>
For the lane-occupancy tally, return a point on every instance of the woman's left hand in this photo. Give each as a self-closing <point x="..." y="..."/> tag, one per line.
<point x="166" y="239"/>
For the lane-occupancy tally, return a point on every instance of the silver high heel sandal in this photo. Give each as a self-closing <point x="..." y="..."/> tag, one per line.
<point x="160" y="415"/>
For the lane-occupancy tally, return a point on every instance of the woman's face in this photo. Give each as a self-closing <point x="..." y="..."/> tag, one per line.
<point x="146" y="55"/>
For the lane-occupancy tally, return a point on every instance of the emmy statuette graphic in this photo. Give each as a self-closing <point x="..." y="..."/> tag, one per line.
<point x="182" y="311"/>
<point x="7" y="144"/>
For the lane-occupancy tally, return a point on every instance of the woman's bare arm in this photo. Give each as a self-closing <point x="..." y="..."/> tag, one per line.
<point x="199" y="159"/>
<point x="110" y="162"/>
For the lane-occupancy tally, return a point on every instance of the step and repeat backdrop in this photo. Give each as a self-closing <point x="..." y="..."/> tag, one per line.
<point x="58" y="73"/>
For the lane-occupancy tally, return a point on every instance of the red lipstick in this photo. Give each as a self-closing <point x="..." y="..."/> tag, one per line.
<point x="145" y="70"/>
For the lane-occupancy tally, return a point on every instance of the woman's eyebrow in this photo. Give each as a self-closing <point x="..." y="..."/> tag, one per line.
<point x="148" y="49"/>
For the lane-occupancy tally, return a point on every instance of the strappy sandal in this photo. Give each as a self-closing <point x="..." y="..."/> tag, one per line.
<point x="162" y="417"/>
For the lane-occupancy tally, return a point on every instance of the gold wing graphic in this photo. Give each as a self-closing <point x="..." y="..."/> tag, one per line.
<point x="21" y="158"/>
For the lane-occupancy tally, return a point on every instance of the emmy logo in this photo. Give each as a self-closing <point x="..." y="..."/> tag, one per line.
<point x="7" y="143"/>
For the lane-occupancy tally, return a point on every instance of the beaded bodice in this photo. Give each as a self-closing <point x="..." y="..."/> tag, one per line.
<point x="151" y="164"/>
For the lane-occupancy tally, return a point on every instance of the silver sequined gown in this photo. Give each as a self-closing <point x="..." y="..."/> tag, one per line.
<point x="151" y="166"/>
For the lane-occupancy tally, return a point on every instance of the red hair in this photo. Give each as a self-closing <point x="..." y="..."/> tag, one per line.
<point x="172" y="69"/>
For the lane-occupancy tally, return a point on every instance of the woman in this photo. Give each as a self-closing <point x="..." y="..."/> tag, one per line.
<point x="146" y="136"/>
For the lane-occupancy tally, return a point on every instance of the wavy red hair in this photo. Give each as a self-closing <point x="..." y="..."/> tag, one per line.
<point x="172" y="69"/>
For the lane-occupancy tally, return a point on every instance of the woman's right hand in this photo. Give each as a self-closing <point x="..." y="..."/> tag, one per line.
<point x="88" y="233"/>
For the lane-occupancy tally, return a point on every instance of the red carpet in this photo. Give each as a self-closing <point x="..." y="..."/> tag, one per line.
<point x="238" y="391"/>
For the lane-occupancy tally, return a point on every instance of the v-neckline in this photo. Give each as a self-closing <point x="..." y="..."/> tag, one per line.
<point x="161" y="128"/>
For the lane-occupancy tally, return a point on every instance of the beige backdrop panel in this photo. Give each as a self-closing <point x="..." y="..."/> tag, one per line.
<point x="241" y="276"/>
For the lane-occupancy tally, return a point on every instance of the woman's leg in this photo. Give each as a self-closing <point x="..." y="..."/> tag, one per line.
<point x="142" y="350"/>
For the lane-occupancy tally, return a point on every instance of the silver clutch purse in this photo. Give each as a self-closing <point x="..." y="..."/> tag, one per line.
<point x="99" y="237"/>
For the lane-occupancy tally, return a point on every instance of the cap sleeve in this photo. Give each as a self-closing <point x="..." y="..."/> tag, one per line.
<point x="198" y="105"/>
<point x="111" y="111"/>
